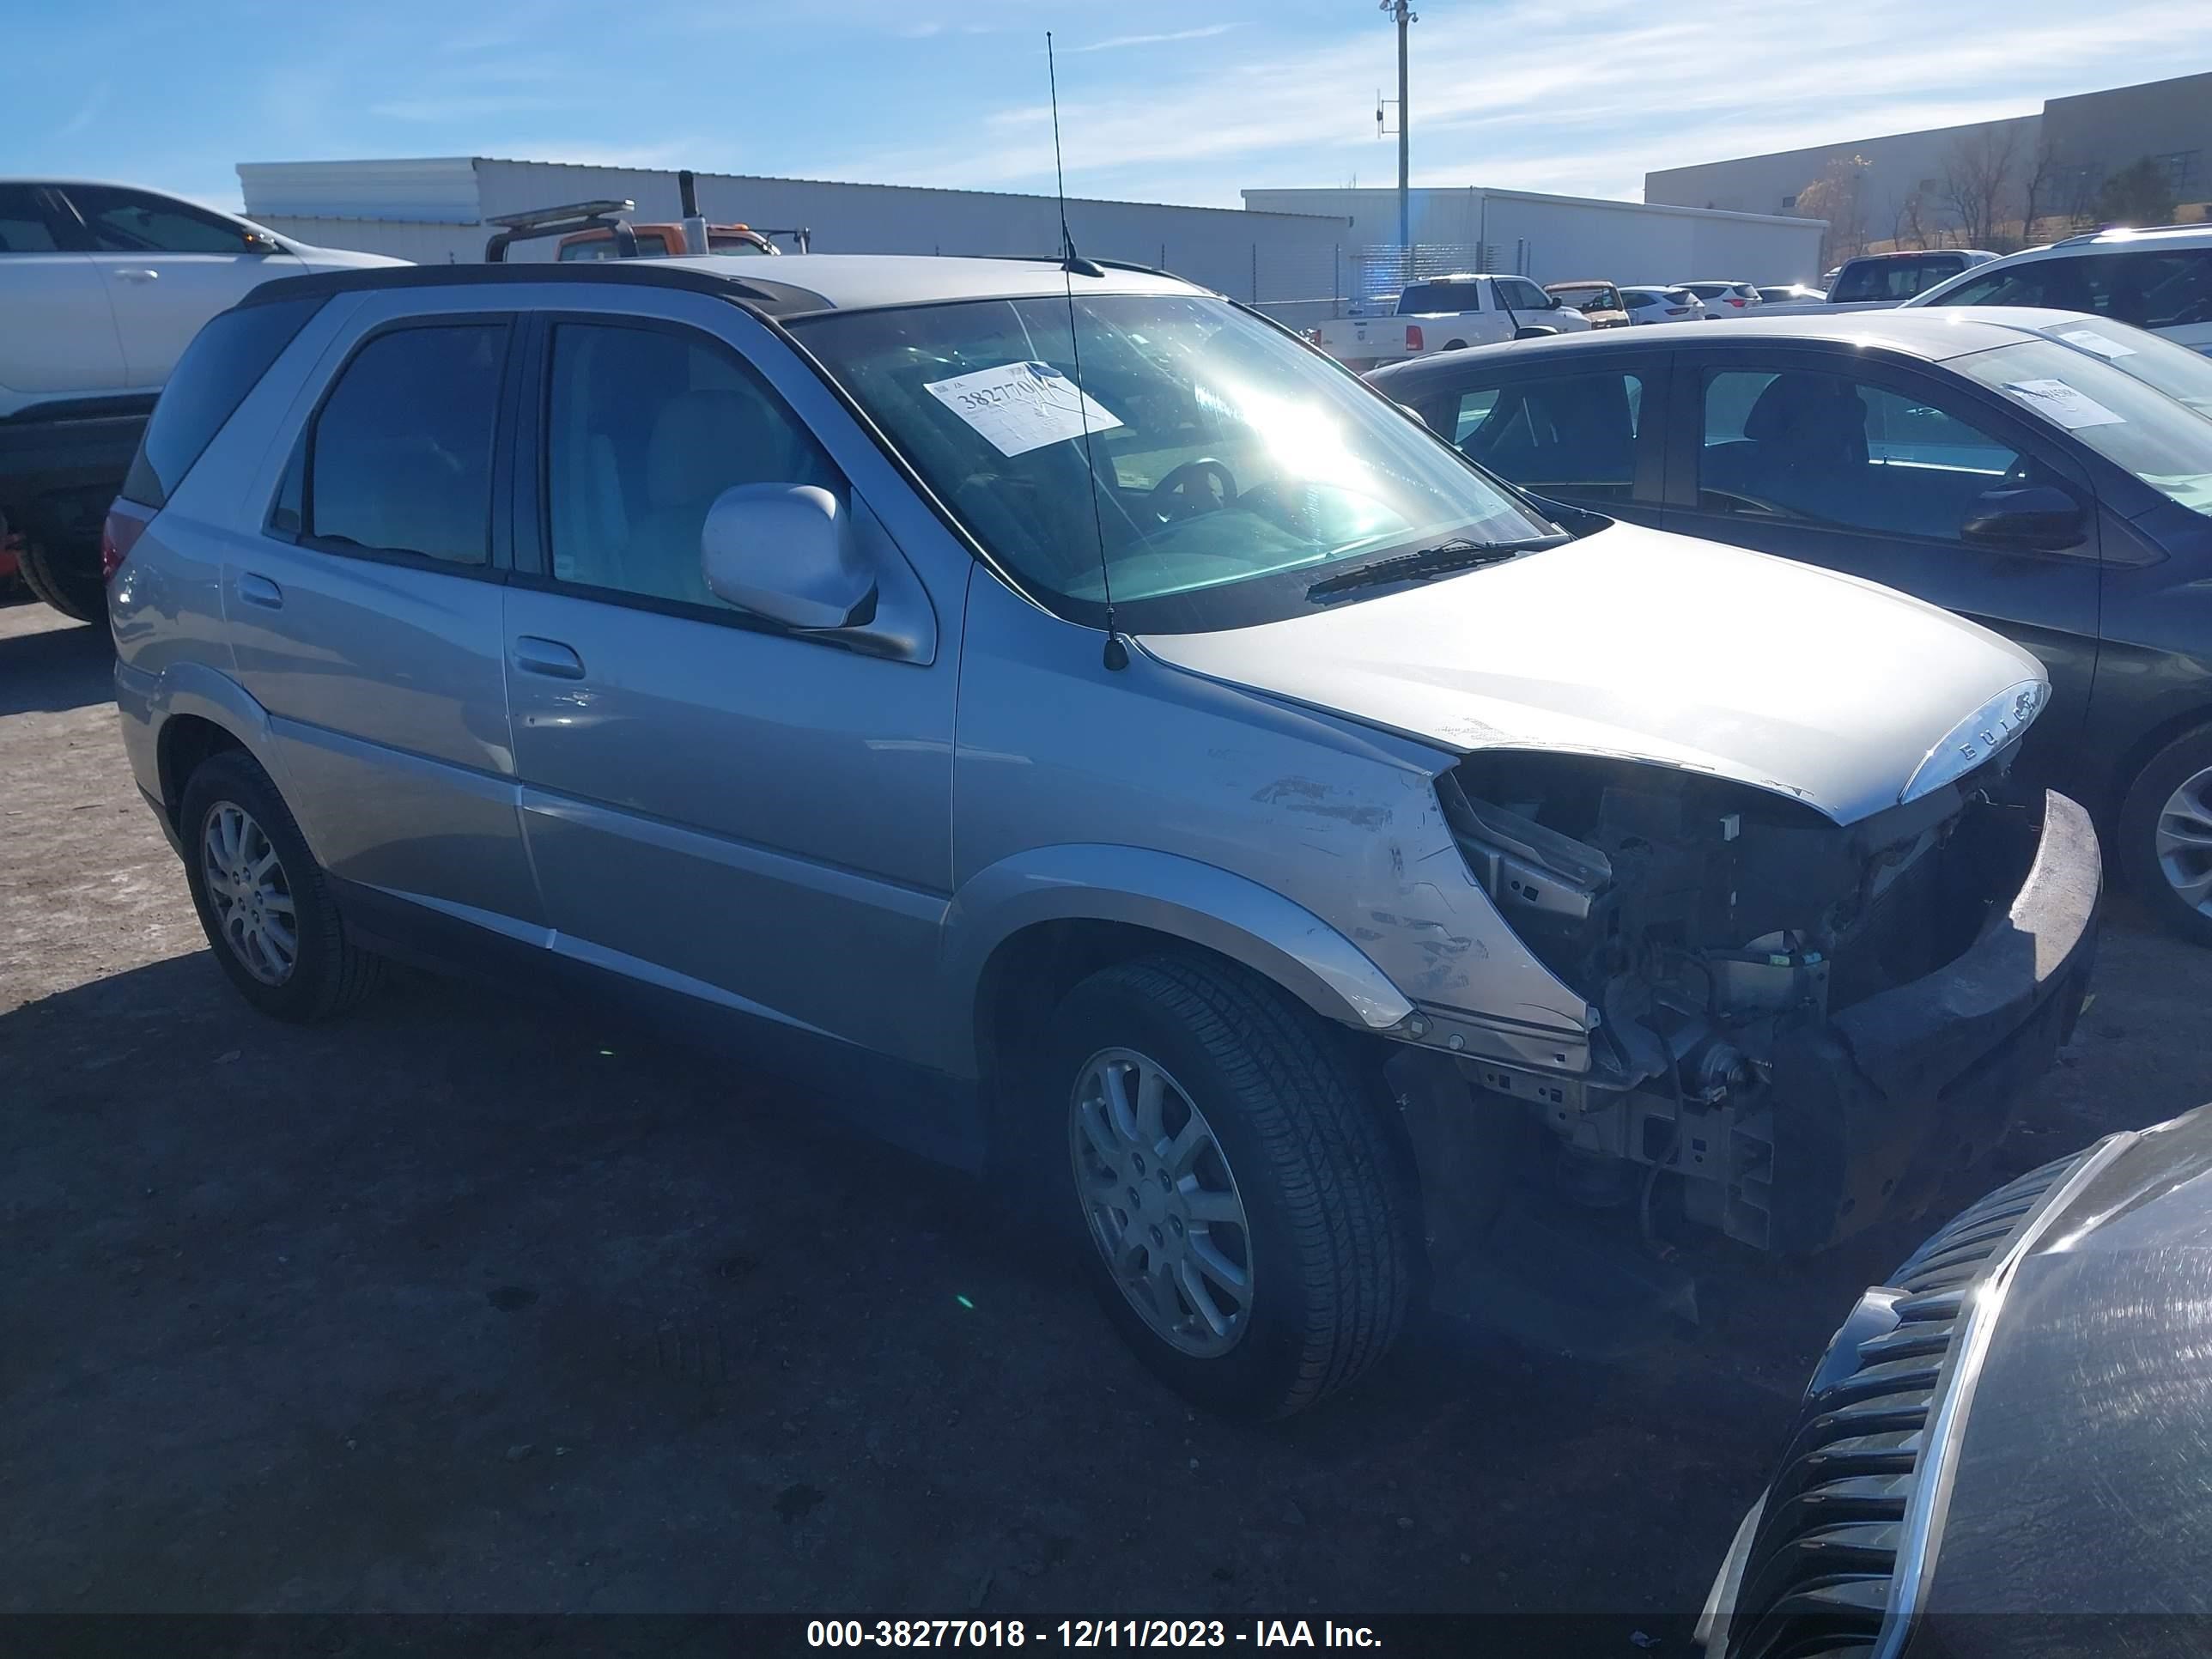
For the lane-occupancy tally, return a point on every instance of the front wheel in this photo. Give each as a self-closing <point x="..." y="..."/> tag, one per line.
<point x="2165" y="835"/>
<point x="1245" y="1215"/>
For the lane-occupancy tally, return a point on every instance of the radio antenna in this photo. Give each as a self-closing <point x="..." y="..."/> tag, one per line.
<point x="1117" y="650"/>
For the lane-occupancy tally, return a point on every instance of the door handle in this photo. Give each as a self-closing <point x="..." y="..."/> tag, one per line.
<point x="550" y="658"/>
<point x="259" y="590"/>
<point x="137" y="274"/>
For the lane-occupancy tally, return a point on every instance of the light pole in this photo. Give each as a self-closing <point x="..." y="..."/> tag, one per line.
<point x="1403" y="15"/>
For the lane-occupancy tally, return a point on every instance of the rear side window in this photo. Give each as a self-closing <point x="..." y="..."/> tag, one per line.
<point x="225" y="361"/>
<point x="1576" y="433"/>
<point x="398" y="458"/>
<point x="25" y="226"/>
<point x="1894" y="279"/>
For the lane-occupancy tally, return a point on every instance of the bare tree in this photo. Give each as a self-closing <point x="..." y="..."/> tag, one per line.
<point x="1909" y="224"/>
<point x="1977" y="183"/>
<point x="1839" y="196"/>
<point x="2045" y="182"/>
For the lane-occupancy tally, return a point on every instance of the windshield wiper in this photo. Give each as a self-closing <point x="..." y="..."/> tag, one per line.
<point x="1458" y="554"/>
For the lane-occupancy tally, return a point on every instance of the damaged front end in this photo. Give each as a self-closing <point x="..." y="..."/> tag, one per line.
<point x="1808" y="1022"/>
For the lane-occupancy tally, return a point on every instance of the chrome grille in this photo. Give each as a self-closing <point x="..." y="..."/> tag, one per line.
<point x="1817" y="1581"/>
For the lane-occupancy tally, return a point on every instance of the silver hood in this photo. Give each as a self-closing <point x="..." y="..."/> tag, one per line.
<point x="1634" y="643"/>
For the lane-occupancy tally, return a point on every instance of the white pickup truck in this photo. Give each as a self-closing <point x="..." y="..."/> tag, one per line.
<point x="1443" y="313"/>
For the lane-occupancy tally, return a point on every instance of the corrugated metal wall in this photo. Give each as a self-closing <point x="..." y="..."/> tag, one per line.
<point x="1293" y="261"/>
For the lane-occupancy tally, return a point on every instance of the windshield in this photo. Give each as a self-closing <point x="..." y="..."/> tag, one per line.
<point x="2174" y="369"/>
<point x="2124" y="418"/>
<point x="1233" y="466"/>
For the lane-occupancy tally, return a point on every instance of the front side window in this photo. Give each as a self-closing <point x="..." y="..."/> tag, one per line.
<point x="1821" y="448"/>
<point x="1228" y="468"/>
<point x="1522" y="295"/>
<point x="132" y="222"/>
<point x="644" y="428"/>
<point x="399" y="459"/>
<point x="1574" y="435"/>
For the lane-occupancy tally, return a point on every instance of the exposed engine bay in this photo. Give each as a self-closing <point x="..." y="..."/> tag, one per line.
<point x="1718" y="930"/>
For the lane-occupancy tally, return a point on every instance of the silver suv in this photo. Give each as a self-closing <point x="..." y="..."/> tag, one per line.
<point x="1093" y="734"/>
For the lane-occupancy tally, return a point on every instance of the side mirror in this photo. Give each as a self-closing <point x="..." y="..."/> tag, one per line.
<point x="259" y="241"/>
<point x="2040" y="516"/>
<point x="787" y="552"/>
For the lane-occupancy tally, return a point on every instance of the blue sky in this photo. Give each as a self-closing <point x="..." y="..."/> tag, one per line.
<point x="1159" y="101"/>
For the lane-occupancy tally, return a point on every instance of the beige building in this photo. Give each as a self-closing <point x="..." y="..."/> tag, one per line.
<point x="1957" y="182"/>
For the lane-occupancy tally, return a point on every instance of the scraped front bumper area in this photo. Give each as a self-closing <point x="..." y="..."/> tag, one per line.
<point x="1875" y="1106"/>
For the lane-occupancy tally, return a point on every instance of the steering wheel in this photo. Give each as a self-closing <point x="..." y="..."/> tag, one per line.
<point x="1171" y="498"/>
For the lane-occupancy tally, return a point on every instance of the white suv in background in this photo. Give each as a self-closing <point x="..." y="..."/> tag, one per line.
<point x="2160" y="280"/>
<point x="101" y="287"/>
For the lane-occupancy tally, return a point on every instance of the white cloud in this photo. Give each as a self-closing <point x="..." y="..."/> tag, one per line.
<point x="87" y="112"/>
<point x="1119" y="41"/>
<point x="1579" y="95"/>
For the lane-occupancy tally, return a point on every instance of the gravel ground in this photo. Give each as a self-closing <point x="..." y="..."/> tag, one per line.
<point x="462" y="1305"/>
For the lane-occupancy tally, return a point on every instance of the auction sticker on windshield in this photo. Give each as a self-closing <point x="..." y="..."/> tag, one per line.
<point x="1023" y="406"/>
<point x="2071" y="409"/>
<point x="2089" y="340"/>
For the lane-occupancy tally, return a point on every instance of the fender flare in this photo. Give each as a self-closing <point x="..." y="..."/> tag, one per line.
<point x="1180" y="897"/>
<point x="193" y="689"/>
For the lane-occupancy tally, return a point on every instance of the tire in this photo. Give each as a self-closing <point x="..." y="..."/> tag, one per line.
<point x="70" y="585"/>
<point x="1296" y="1143"/>
<point x="326" y="975"/>
<point x="2178" y="777"/>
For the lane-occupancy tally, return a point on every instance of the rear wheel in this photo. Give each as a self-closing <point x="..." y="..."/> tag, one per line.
<point x="1242" y="1212"/>
<point x="263" y="901"/>
<point x="65" y="579"/>
<point x="2165" y="835"/>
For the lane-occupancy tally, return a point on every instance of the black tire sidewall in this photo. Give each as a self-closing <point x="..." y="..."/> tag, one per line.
<point x="234" y="776"/>
<point x="2138" y="829"/>
<point x="1257" y="1375"/>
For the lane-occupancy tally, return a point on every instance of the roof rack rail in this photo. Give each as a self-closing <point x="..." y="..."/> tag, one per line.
<point x="2132" y="230"/>
<point x="604" y="214"/>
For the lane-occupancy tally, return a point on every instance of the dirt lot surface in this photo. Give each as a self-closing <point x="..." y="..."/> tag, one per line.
<point x="449" y="1307"/>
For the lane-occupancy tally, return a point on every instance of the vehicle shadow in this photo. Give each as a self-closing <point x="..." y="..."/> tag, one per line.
<point x="56" y="669"/>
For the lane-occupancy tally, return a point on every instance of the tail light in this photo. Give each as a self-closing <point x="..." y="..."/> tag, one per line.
<point x="118" y="536"/>
<point x="1413" y="339"/>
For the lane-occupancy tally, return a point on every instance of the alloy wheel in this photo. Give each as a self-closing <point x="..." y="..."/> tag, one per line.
<point x="250" y="893"/>
<point x="2184" y="842"/>
<point x="1162" y="1203"/>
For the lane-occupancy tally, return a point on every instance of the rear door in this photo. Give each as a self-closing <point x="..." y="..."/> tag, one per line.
<point x="167" y="267"/>
<point x="364" y="612"/>
<point x="1872" y="468"/>
<point x="1578" y="433"/>
<point x="59" y="338"/>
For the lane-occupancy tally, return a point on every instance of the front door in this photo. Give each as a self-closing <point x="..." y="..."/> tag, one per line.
<point x="715" y="805"/>
<point x="1873" y="470"/>
<point x="167" y="267"/>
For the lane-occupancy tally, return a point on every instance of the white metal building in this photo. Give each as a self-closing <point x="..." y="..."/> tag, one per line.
<point x="1302" y="254"/>
<point x="435" y="211"/>
<point x="1556" y="238"/>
